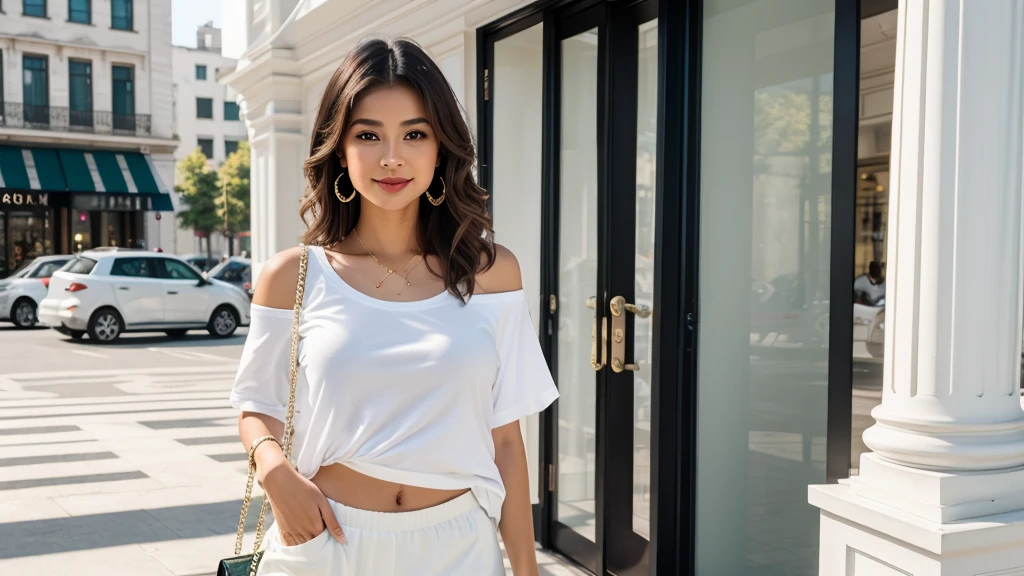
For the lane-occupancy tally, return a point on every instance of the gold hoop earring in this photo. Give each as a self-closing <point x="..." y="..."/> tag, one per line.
<point x="338" y="194"/>
<point x="440" y="199"/>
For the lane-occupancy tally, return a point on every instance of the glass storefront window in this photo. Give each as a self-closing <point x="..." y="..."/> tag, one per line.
<point x="871" y="222"/>
<point x="81" y="230"/>
<point x="30" y="236"/>
<point x="766" y="220"/>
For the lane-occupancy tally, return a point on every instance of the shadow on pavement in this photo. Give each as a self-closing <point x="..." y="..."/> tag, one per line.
<point x="146" y="340"/>
<point x="92" y="531"/>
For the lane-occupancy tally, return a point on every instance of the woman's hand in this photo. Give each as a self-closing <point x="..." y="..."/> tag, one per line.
<point x="301" y="510"/>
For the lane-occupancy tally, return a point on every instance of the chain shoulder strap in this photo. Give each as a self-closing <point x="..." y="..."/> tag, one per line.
<point x="289" y="427"/>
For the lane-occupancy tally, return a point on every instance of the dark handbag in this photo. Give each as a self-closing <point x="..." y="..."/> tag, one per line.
<point x="239" y="565"/>
<point x="246" y="564"/>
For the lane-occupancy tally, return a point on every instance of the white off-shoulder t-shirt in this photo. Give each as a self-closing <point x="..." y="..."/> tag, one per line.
<point x="407" y="392"/>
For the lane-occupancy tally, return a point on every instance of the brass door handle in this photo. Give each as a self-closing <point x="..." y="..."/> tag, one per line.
<point x="593" y="344"/>
<point x="618" y="304"/>
<point x="592" y="304"/>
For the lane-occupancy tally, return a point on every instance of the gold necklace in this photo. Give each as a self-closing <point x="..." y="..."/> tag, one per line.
<point x="390" y="271"/>
<point x="409" y="273"/>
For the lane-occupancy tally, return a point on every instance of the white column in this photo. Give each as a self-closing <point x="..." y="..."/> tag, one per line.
<point x="273" y="111"/>
<point x="942" y="491"/>
<point x="953" y="301"/>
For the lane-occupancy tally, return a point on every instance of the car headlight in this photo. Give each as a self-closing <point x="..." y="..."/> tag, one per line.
<point x="4" y="287"/>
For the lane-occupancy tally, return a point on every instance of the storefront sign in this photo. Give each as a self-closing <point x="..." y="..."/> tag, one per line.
<point x="113" y="202"/>
<point x="24" y="199"/>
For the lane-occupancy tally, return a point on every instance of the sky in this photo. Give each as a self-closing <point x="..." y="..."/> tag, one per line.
<point x="187" y="15"/>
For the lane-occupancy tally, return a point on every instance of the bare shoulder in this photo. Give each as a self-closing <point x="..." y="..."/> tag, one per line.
<point x="275" y="287"/>
<point x="503" y="276"/>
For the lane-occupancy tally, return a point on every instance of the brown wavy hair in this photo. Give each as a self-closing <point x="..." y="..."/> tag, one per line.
<point x="460" y="231"/>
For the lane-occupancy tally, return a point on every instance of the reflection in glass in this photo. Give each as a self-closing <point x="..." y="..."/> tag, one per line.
<point x="766" y="216"/>
<point x="870" y="223"/>
<point x="31" y="236"/>
<point x="577" y="281"/>
<point x="81" y="230"/>
<point x="643" y="333"/>
<point x="516" y="91"/>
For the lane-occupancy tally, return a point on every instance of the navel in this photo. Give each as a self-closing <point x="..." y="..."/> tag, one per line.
<point x="400" y="496"/>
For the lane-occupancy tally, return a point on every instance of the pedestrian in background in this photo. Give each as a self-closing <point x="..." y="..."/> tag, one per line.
<point x="416" y="352"/>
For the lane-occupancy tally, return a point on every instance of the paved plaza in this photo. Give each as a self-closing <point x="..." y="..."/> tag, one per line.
<point x="122" y="459"/>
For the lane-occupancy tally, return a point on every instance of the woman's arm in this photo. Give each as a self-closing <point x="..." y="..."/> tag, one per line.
<point x="516" y="524"/>
<point x="300" y="510"/>
<point x="275" y="289"/>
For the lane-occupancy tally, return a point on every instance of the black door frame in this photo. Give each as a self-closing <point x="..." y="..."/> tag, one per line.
<point x="674" y="377"/>
<point x="670" y="459"/>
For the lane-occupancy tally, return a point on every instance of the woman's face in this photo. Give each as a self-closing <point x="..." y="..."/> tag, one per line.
<point x="389" y="150"/>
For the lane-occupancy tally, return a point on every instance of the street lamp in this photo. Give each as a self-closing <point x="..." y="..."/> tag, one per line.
<point x="158" y="237"/>
<point x="78" y="241"/>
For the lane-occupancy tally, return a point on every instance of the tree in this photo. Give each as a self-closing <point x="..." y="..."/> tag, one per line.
<point x="199" y="191"/>
<point x="233" y="202"/>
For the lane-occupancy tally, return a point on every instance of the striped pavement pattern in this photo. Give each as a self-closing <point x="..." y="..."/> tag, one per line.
<point x="145" y="477"/>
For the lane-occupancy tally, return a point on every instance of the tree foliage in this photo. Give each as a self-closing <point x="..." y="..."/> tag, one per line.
<point x="199" y="189"/>
<point x="234" y="204"/>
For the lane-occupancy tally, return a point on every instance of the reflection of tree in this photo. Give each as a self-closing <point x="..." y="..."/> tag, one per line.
<point x="792" y="194"/>
<point x="782" y="123"/>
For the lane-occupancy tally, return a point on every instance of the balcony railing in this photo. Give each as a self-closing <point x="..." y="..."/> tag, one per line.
<point x="63" y="119"/>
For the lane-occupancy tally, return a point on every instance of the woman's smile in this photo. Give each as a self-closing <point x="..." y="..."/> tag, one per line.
<point x="393" y="184"/>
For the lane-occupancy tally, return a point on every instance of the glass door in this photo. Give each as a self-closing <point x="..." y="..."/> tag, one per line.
<point x="603" y="284"/>
<point x="575" y="511"/>
<point x="569" y="128"/>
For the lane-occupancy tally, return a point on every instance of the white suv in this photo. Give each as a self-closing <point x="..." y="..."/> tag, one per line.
<point x="21" y="292"/>
<point x="107" y="292"/>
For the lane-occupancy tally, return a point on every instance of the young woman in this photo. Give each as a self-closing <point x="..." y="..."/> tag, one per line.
<point x="417" y="355"/>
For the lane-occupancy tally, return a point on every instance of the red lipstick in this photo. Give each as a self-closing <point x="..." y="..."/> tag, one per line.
<point x="393" y="183"/>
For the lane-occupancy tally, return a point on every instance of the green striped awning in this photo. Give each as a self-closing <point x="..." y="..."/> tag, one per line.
<point x="82" y="171"/>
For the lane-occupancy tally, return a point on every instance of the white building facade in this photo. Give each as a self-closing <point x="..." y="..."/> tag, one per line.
<point x="206" y="116"/>
<point x="691" y="188"/>
<point x="86" y="125"/>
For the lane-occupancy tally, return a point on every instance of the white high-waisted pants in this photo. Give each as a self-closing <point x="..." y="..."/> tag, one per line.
<point x="449" y="539"/>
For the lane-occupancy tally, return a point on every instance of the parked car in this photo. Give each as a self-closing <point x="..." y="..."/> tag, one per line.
<point x="200" y="262"/>
<point x="22" y="291"/>
<point x="108" y="293"/>
<point x="236" y="271"/>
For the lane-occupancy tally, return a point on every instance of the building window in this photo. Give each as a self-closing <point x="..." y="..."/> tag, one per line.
<point x="206" y="145"/>
<point x="200" y="72"/>
<point x="34" y="8"/>
<point x="230" y="111"/>
<point x="80" y="73"/>
<point x="229" y="147"/>
<point x="121" y="14"/>
<point x="80" y="11"/>
<point x="204" y="108"/>
<point x="36" y="90"/>
<point x="124" y="98"/>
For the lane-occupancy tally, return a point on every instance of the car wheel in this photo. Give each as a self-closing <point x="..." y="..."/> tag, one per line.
<point x="23" y="313"/>
<point x="223" y="322"/>
<point x="176" y="333"/>
<point x="105" y="325"/>
<point x="76" y="334"/>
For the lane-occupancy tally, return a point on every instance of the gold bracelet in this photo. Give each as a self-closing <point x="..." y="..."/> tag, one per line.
<point x="256" y="444"/>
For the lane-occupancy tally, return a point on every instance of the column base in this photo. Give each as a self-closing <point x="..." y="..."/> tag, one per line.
<point x="860" y="536"/>
<point x="939" y="496"/>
